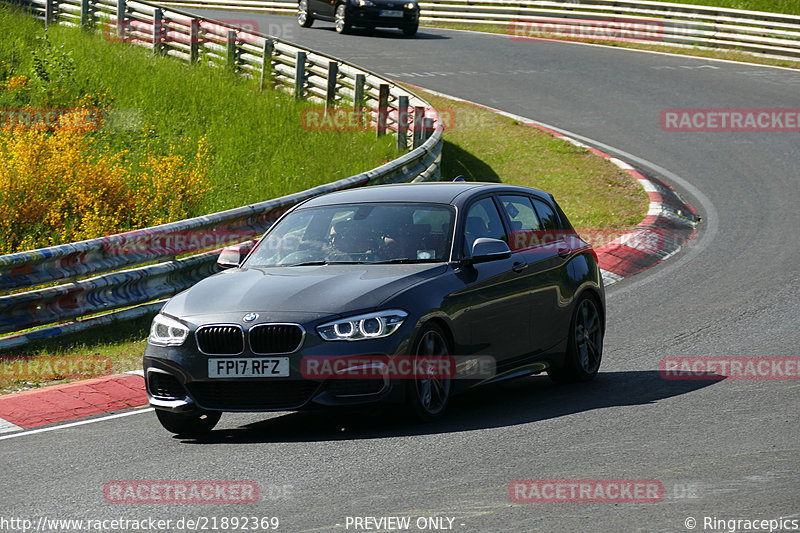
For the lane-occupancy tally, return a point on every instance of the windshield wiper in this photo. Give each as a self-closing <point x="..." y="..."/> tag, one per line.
<point x="305" y="263"/>
<point x="404" y="261"/>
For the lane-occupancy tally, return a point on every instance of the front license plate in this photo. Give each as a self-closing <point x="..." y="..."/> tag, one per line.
<point x="249" y="367"/>
<point x="390" y="13"/>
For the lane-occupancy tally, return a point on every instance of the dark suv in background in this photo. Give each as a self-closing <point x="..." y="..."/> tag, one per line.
<point x="347" y="14"/>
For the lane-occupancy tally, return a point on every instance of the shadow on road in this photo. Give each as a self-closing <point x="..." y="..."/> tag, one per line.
<point x="521" y="401"/>
<point x="389" y="33"/>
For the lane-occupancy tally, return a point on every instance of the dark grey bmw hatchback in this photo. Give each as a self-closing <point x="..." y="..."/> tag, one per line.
<point x="348" y="293"/>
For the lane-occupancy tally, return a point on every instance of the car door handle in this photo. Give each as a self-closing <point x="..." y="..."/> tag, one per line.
<point x="519" y="266"/>
<point x="563" y="249"/>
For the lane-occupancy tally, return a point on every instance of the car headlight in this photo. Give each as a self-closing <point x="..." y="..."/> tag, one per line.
<point x="410" y="5"/>
<point x="366" y="3"/>
<point x="166" y="331"/>
<point x="369" y="326"/>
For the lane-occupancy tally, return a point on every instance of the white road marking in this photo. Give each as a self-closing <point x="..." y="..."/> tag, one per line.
<point x="79" y="423"/>
<point x="7" y="427"/>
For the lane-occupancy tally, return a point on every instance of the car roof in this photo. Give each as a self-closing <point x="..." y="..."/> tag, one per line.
<point x="434" y="192"/>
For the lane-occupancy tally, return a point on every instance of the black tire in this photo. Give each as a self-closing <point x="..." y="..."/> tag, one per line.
<point x="190" y="425"/>
<point x="408" y="31"/>
<point x="584" y="345"/>
<point x="428" y="397"/>
<point x="342" y="24"/>
<point x="303" y="16"/>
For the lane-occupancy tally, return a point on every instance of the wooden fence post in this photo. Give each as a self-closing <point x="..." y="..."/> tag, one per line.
<point x="194" y="41"/>
<point x="266" y="63"/>
<point x="300" y="75"/>
<point x="85" y="14"/>
<point x="122" y="11"/>
<point x="402" y="123"/>
<point x="158" y="31"/>
<point x="333" y="73"/>
<point x="416" y="135"/>
<point x="230" y="57"/>
<point x="383" y="108"/>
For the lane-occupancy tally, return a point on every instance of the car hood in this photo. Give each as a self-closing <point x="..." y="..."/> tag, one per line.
<point x="312" y="290"/>
<point x="390" y="3"/>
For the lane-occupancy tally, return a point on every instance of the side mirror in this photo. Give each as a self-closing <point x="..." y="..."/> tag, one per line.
<point x="485" y="249"/>
<point x="232" y="256"/>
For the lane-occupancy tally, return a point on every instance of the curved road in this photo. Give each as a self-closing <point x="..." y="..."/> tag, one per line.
<point x="727" y="450"/>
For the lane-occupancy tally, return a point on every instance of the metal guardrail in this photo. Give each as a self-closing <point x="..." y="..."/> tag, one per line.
<point x="769" y="34"/>
<point x="93" y="277"/>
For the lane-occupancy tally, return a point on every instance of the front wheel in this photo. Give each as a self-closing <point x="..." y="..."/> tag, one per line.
<point x="304" y="18"/>
<point x="190" y="425"/>
<point x="408" y="31"/>
<point x="584" y="345"/>
<point x="428" y="394"/>
<point x="342" y="24"/>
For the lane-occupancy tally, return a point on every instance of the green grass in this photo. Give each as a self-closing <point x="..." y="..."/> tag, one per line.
<point x="258" y="148"/>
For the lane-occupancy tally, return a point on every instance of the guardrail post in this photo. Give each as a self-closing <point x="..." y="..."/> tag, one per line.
<point x="416" y="135"/>
<point x="85" y="15"/>
<point x="358" y="91"/>
<point x="194" y="41"/>
<point x="158" y="30"/>
<point x="49" y="13"/>
<point x="402" y="123"/>
<point x="300" y="75"/>
<point x="383" y="108"/>
<point x="266" y="63"/>
<point x="230" y="57"/>
<point x="428" y="128"/>
<point x="333" y="74"/>
<point x="122" y="10"/>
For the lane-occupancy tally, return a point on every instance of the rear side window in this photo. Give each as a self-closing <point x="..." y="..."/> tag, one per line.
<point x="547" y="215"/>
<point x="524" y="222"/>
<point x="483" y="220"/>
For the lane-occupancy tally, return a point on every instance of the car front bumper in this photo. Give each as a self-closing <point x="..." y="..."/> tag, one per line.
<point x="371" y="17"/>
<point x="177" y="379"/>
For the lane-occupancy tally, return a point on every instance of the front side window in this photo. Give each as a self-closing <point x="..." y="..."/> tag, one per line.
<point x="358" y="233"/>
<point x="525" y="225"/>
<point x="483" y="220"/>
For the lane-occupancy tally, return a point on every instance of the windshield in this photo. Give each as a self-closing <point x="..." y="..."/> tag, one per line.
<point x="358" y="233"/>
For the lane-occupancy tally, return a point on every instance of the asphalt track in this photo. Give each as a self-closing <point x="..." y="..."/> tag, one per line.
<point x="724" y="449"/>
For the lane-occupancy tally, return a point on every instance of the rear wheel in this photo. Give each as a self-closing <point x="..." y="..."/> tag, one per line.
<point x="304" y="18"/>
<point x="428" y="394"/>
<point x="584" y="346"/>
<point x="190" y="425"/>
<point x="342" y="24"/>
